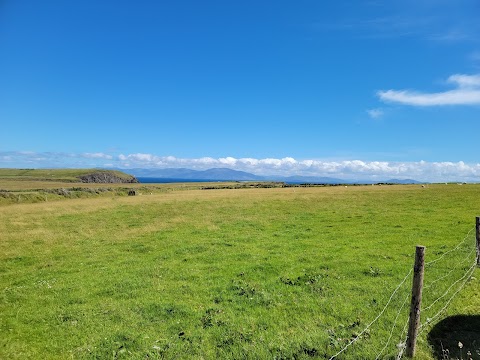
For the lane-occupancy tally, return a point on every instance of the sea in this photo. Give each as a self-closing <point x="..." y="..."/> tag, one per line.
<point x="152" y="180"/>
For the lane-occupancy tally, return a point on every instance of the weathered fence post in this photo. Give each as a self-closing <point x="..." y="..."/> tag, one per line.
<point x="417" y="287"/>
<point x="477" y="234"/>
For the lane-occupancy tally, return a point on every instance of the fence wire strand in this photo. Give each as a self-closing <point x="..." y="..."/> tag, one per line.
<point x="446" y="292"/>
<point x="401" y="345"/>
<point x="451" y="250"/>
<point x="467" y="277"/>
<point x="393" y="328"/>
<point x="374" y="320"/>
<point x="445" y="276"/>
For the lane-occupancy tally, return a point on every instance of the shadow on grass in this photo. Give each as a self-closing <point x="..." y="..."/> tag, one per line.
<point x="448" y="333"/>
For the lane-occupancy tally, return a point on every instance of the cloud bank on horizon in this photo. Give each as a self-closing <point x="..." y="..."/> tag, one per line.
<point x="466" y="92"/>
<point x="287" y="166"/>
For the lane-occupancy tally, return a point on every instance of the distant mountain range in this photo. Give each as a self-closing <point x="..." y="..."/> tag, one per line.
<point x="224" y="174"/>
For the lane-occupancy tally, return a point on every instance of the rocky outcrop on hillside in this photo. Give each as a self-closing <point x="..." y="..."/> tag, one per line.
<point x="107" y="178"/>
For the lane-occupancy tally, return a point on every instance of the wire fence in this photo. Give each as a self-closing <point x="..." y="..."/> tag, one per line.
<point x="444" y="278"/>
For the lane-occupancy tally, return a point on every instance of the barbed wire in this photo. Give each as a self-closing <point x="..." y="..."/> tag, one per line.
<point x="393" y="328"/>
<point x="401" y="345"/>
<point x="467" y="277"/>
<point x="451" y="271"/>
<point x="446" y="292"/>
<point x="374" y="320"/>
<point x="451" y="250"/>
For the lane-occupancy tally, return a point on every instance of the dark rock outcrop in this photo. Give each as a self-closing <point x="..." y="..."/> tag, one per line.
<point x="107" y="178"/>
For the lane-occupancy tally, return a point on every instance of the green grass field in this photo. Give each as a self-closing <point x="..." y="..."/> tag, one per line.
<point x="65" y="175"/>
<point x="292" y="273"/>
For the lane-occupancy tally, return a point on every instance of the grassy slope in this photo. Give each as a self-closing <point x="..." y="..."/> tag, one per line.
<point x="257" y="273"/>
<point x="69" y="175"/>
<point x="35" y="185"/>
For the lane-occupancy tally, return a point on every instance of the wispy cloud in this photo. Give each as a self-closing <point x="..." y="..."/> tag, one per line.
<point x="33" y="159"/>
<point x="386" y="27"/>
<point x="375" y="113"/>
<point x="97" y="156"/>
<point x="466" y="92"/>
<point x="438" y="21"/>
<point x="345" y="169"/>
<point x="452" y="35"/>
<point x="465" y="81"/>
<point x="475" y="57"/>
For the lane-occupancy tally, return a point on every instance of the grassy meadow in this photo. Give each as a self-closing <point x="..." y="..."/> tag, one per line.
<point x="281" y="273"/>
<point x="59" y="175"/>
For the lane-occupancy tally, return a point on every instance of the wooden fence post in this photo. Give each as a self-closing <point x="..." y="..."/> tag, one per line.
<point x="477" y="234"/>
<point x="417" y="287"/>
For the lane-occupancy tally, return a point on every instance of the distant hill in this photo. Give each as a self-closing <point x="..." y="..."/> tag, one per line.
<point x="216" y="174"/>
<point x="311" y="179"/>
<point x="225" y="174"/>
<point x="69" y="175"/>
<point x="404" y="181"/>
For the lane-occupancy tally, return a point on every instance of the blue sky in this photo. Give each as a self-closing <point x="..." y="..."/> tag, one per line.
<point x="366" y="89"/>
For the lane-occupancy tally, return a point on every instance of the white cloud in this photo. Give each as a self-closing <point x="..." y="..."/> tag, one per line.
<point x="375" y="113"/>
<point x="97" y="156"/>
<point x="228" y="161"/>
<point x="465" y="81"/>
<point x="347" y="169"/>
<point x="466" y="93"/>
